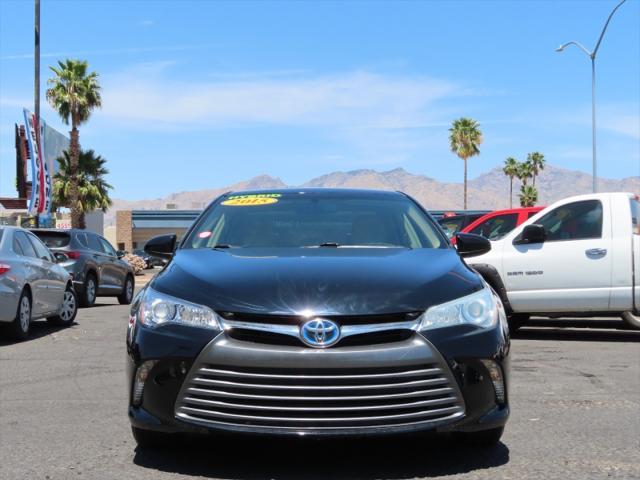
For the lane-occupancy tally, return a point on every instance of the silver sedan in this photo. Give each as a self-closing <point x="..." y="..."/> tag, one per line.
<point x="32" y="285"/>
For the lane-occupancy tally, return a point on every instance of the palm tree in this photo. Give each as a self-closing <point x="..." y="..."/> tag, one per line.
<point x="92" y="188"/>
<point x="528" y="196"/>
<point x="464" y="138"/>
<point x="525" y="172"/>
<point x="536" y="159"/>
<point x="510" y="169"/>
<point x="74" y="94"/>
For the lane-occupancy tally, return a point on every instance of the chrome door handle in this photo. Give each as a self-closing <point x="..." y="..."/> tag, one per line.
<point x="596" y="252"/>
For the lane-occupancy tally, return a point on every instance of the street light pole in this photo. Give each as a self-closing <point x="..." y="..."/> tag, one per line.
<point x="593" y="123"/>
<point x="36" y="56"/>
<point x="592" y="56"/>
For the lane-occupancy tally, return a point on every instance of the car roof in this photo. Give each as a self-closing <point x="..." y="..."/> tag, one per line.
<point x="515" y="210"/>
<point x="59" y="230"/>
<point x="357" y="192"/>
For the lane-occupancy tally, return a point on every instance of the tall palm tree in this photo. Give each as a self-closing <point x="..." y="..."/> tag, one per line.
<point x="74" y="93"/>
<point x="510" y="169"/>
<point x="525" y="172"/>
<point x="528" y="196"/>
<point x="537" y="161"/>
<point x="92" y="188"/>
<point x="464" y="138"/>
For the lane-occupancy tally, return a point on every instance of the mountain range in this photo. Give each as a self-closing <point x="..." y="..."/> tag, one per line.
<point x="489" y="191"/>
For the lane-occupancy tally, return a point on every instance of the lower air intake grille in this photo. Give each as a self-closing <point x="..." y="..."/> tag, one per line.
<point x="318" y="399"/>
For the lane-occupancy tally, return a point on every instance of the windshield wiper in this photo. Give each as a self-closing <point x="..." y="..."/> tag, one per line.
<point x="370" y="245"/>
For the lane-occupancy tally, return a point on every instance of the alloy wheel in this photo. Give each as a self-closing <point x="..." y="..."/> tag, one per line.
<point x="91" y="290"/>
<point x="68" y="306"/>
<point x="129" y="288"/>
<point x="25" y="313"/>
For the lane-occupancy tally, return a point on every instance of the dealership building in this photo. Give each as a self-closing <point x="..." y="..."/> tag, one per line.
<point x="135" y="227"/>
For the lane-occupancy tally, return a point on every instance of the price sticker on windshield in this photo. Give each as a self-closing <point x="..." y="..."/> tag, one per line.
<point x="252" y="200"/>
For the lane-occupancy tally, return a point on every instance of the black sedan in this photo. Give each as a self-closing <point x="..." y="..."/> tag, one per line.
<point x="317" y="312"/>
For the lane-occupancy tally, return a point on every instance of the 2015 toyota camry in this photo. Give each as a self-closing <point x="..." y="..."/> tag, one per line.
<point x="317" y="312"/>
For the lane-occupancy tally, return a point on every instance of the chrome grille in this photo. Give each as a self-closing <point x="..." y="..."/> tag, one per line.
<point x="319" y="399"/>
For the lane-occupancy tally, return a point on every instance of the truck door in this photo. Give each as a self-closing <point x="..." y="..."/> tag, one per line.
<point x="635" y="247"/>
<point x="570" y="270"/>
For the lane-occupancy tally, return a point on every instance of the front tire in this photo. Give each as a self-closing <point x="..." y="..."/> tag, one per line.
<point x="632" y="320"/>
<point x="88" y="297"/>
<point x="126" y="296"/>
<point x="19" y="328"/>
<point x="483" y="438"/>
<point x="68" y="310"/>
<point x="149" y="438"/>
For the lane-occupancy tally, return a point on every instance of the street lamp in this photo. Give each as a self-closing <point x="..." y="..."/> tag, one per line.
<point x="592" y="56"/>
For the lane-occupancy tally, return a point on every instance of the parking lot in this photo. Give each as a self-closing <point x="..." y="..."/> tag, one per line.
<point x="574" y="396"/>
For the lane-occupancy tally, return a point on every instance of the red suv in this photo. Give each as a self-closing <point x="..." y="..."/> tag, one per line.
<point x="495" y="225"/>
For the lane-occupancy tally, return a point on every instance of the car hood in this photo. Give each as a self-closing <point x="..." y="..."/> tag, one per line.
<point x="329" y="281"/>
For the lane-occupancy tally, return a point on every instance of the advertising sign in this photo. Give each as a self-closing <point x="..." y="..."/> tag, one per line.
<point x="40" y="202"/>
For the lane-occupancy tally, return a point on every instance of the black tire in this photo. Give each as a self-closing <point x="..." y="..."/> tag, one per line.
<point x="631" y="320"/>
<point x="126" y="296"/>
<point x="68" y="311"/>
<point x="19" y="328"/>
<point x="149" y="438"/>
<point x="517" y="320"/>
<point x="483" y="438"/>
<point x="88" y="296"/>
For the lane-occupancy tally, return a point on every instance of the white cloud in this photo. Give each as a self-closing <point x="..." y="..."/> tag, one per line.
<point x="622" y="119"/>
<point x="357" y="98"/>
<point x="112" y="51"/>
<point x="626" y="124"/>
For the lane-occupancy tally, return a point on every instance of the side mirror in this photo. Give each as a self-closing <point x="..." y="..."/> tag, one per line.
<point x="534" y="233"/>
<point x="60" y="257"/>
<point x="161" y="246"/>
<point x="471" y="245"/>
<point x="120" y="253"/>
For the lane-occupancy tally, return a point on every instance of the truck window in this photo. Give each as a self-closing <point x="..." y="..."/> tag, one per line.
<point x="574" y="221"/>
<point x="635" y="215"/>
<point x="496" y="227"/>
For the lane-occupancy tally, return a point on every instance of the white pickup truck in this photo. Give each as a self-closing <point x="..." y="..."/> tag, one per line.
<point x="579" y="256"/>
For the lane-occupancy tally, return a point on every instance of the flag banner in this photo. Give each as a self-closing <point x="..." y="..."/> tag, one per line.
<point x="41" y="188"/>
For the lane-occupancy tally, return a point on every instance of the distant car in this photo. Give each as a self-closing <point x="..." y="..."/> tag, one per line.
<point x="93" y="264"/>
<point x="452" y="224"/>
<point x="150" y="260"/>
<point x="495" y="225"/>
<point x="32" y="284"/>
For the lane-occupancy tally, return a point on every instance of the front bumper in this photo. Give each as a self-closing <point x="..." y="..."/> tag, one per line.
<point x="198" y="381"/>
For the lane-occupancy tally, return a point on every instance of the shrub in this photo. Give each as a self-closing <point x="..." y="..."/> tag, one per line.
<point x="136" y="262"/>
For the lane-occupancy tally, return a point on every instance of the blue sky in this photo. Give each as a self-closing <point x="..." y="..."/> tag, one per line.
<point x="203" y="94"/>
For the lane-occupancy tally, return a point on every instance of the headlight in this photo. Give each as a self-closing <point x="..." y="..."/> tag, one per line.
<point x="159" y="309"/>
<point x="480" y="308"/>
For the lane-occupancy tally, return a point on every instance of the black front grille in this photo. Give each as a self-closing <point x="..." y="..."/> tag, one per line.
<point x="319" y="398"/>
<point x="367" y="338"/>
<point x="339" y="319"/>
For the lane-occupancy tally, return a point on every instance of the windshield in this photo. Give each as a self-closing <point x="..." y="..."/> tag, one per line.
<point x="452" y="225"/>
<point x="304" y="219"/>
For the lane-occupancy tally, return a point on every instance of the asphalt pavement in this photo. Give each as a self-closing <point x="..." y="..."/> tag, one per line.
<point x="575" y="398"/>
